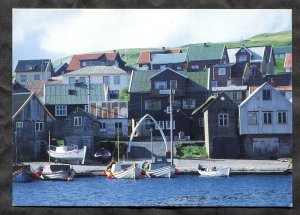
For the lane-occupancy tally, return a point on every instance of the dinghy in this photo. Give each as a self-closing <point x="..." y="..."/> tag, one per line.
<point x="204" y="171"/>
<point x="57" y="172"/>
<point x="68" y="154"/>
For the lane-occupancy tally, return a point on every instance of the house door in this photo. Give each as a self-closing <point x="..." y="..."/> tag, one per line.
<point x="225" y="147"/>
<point x="266" y="147"/>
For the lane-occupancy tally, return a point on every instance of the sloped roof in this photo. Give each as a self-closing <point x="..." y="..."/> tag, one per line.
<point x="58" y="94"/>
<point x="205" y="105"/>
<point x="19" y="88"/>
<point x="140" y="83"/>
<point x="169" y="58"/>
<point x="288" y="60"/>
<point x="77" y="109"/>
<point x="282" y="50"/>
<point x="36" y="86"/>
<point x="205" y="52"/>
<point x="144" y="57"/>
<point x="237" y="70"/>
<point x="39" y="65"/>
<point x="97" y="70"/>
<point x="228" y="88"/>
<point x="257" y="53"/>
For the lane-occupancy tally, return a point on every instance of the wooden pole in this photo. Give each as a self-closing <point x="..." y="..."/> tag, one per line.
<point x="49" y="147"/>
<point x="171" y="126"/>
<point x="118" y="144"/>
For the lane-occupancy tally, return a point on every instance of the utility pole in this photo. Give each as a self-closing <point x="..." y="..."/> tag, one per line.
<point x="89" y="111"/>
<point x="151" y="144"/>
<point x="171" y="126"/>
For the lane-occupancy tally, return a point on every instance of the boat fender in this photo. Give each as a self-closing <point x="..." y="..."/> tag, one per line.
<point x="69" y="179"/>
<point x="110" y="176"/>
<point x="177" y="171"/>
<point x="103" y="173"/>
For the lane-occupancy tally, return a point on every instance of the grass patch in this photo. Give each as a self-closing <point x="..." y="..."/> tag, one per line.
<point x="191" y="151"/>
<point x="279" y="65"/>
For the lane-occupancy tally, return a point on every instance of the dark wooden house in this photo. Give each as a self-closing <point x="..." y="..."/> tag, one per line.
<point x="32" y="123"/>
<point x="221" y="127"/>
<point x="149" y="94"/>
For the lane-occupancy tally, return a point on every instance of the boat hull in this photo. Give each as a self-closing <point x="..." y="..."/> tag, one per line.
<point x="220" y="172"/>
<point x="163" y="172"/>
<point x="130" y="173"/>
<point x="65" y="174"/>
<point x="73" y="156"/>
<point x="21" y="173"/>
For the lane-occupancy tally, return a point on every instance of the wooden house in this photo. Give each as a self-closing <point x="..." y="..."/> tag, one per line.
<point x="206" y="56"/>
<point x="265" y="124"/>
<point x="236" y="93"/>
<point x="288" y="64"/>
<point x="33" y="70"/>
<point x="175" y="61"/>
<point x="149" y="94"/>
<point x="280" y="52"/>
<point x="32" y="123"/>
<point x="221" y="126"/>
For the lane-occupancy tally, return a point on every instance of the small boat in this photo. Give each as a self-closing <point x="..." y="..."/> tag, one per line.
<point x="160" y="168"/>
<point x="123" y="171"/>
<point x="204" y="171"/>
<point x="67" y="154"/>
<point x="102" y="154"/>
<point x="57" y="172"/>
<point x="22" y="173"/>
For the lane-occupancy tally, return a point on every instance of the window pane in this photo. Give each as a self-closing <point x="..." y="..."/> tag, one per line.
<point x="160" y="85"/>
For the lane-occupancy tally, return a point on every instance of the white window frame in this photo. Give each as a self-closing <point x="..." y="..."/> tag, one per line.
<point x="103" y="127"/>
<point x="242" y="58"/>
<point x="117" y="80"/>
<point x="161" y="125"/>
<point x="178" y="67"/>
<point x="61" y="110"/>
<point x="106" y="78"/>
<point x="168" y="125"/>
<point x="266" y="97"/>
<point x="36" y="77"/>
<point x="77" y="121"/>
<point x="85" y="79"/>
<point x="234" y="95"/>
<point x="222" y="71"/>
<point x="173" y="82"/>
<point x="23" y="78"/>
<point x="253" y="117"/>
<point x="195" y="67"/>
<point x="185" y="106"/>
<point x="223" y="120"/>
<point x="72" y="80"/>
<point x="282" y="117"/>
<point x="269" y="119"/>
<point x="39" y="126"/>
<point x="160" y="85"/>
<point x="86" y="108"/>
<point x="19" y="124"/>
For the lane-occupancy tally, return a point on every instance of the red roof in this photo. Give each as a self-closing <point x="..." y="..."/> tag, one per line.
<point x="75" y="61"/>
<point x="145" y="55"/>
<point x="175" y="51"/>
<point x="279" y="88"/>
<point x="288" y="60"/>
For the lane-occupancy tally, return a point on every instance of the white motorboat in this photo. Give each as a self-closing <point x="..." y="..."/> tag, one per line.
<point x="57" y="172"/>
<point x="68" y="154"/>
<point x="123" y="171"/>
<point x="159" y="169"/>
<point x="203" y="171"/>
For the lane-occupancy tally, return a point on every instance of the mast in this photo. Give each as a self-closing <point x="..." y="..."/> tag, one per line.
<point x="89" y="111"/>
<point x="171" y="125"/>
<point x="118" y="144"/>
<point x="49" y="146"/>
<point x="151" y="144"/>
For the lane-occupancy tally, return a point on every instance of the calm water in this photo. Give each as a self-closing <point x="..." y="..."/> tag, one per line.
<point x="250" y="190"/>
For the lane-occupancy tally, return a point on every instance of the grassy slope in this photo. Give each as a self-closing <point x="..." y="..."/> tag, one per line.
<point x="276" y="39"/>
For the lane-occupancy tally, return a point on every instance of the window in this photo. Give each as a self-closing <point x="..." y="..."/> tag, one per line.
<point x="214" y="83"/>
<point x="188" y="103"/>
<point x="23" y="78"/>
<point x="223" y="119"/>
<point x="267" y="117"/>
<point x="177" y="104"/>
<point x="162" y="67"/>
<point x="217" y="94"/>
<point x="195" y="66"/>
<point x="168" y="125"/>
<point x="19" y="124"/>
<point x="221" y="71"/>
<point x="145" y="67"/>
<point x="252" y="118"/>
<point x="36" y="77"/>
<point x="71" y="80"/>
<point x="77" y="121"/>
<point x="160" y="85"/>
<point x="201" y="122"/>
<point x="161" y="125"/>
<point x="106" y="80"/>
<point x="114" y="94"/>
<point x="61" y="110"/>
<point x="72" y="92"/>
<point x="234" y="95"/>
<point x="118" y="125"/>
<point x="178" y="68"/>
<point x="102" y="127"/>
<point x="242" y="58"/>
<point x="152" y="105"/>
<point x="242" y="50"/>
<point x="84" y="64"/>
<point x="86" y="108"/>
<point x="173" y="84"/>
<point x="82" y="80"/>
<point x="116" y="79"/>
<point x="281" y="117"/>
<point x="39" y="126"/>
<point x="266" y="94"/>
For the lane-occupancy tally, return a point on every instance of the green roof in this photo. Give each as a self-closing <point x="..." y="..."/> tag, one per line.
<point x="140" y="82"/>
<point x="58" y="94"/>
<point x="97" y="70"/>
<point x="207" y="52"/>
<point x="284" y="49"/>
<point x="169" y="58"/>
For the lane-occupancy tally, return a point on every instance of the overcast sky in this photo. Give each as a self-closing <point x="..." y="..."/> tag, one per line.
<point x="56" y="33"/>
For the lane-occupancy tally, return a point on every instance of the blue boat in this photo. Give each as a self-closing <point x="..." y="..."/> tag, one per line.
<point x="22" y="173"/>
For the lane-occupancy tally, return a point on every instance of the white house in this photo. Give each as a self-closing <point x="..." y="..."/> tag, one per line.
<point x="115" y="78"/>
<point x="266" y="124"/>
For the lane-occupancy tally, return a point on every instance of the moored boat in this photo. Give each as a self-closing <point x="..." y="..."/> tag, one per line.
<point x="67" y="154"/>
<point x="203" y="171"/>
<point x="57" y="172"/>
<point x="102" y="154"/>
<point x="123" y="171"/>
<point x="160" y="168"/>
<point x="22" y="173"/>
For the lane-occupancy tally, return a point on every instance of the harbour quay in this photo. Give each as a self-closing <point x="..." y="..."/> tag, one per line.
<point x="190" y="166"/>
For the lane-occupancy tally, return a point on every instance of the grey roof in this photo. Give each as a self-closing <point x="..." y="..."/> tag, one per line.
<point x="18" y="99"/>
<point x="229" y="88"/>
<point x="169" y="58"/>
<point x="38" y="65"/>
<point x="97" y="70"/>
<point x="257" y="53"/>
<point x="58" y="94"/>
<point x="283" y="50"/>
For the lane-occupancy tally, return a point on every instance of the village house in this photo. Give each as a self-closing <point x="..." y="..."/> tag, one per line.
<point x="236" y="93"/>
<point x="149" y="95"/>
<point x="63" y="99"/>
<point x="113" y="77"/>
<point x="280" y="52"/>
<point x="206" y="56"/>
<point x="176" y="61"/>
<point x="19" y="88"/>
<point x="221" y="126"/>
<point x="98" y="59"/>
<point x="288" y="64"/>
<point x="261" y="57"/>
<point x="33" y="70"/>
<point x="59" y="69"/>
<point x="32" y="123"/>
<point x="145" y="59"/>
<point x="265" y="124"/>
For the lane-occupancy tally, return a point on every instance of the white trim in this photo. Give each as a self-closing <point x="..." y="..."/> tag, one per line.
<point x="130" y="82"/>
<point x="164" y="71"/>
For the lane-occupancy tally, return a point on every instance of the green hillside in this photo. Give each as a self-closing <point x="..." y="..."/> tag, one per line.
<point x="276" y="39"/>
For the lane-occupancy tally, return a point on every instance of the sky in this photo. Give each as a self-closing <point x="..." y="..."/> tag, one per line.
<point x="58" y="33"/>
